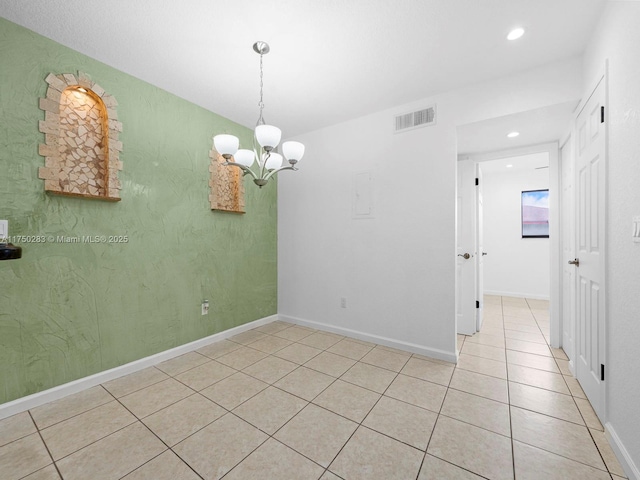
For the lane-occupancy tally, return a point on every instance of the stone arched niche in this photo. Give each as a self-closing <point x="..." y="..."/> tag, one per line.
<point x="81" y="149"/>
<point x="227" y="185"/>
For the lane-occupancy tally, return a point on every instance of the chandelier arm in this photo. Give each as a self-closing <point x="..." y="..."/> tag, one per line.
<point x="263" y="165"/>
<point x="242" y="167"/>
<point x="273" y="172"/>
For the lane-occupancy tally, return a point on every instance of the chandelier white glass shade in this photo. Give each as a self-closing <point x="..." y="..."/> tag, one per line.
<point x="266" y="138"/>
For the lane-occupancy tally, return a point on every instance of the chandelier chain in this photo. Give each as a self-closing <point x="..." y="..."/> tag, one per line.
<point x="261" y="102"/>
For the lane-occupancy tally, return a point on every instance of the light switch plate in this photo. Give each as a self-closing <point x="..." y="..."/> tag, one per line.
<point x="636" y="229"/>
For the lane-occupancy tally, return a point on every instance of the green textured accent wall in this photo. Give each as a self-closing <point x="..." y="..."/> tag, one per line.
<point x="71" y="310"/>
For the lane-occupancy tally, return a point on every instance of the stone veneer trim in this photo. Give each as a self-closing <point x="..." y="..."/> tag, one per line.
<point x="100" y="183"/>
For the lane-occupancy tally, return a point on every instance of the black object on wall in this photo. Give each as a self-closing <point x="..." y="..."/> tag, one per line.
<point x="8" y="251"/>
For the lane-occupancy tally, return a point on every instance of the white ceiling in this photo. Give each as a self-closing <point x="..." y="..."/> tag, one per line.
<point x="330" y="60"/>
<point x="538" y="126"/>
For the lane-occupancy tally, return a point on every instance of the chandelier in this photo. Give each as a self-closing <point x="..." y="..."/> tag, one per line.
<point x="265" y="140"/>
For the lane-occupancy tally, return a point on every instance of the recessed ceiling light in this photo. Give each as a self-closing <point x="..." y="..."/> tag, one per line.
<point x="509" y="166"/>
<point x="515" y="34"/>
<point x="513" y="134"/>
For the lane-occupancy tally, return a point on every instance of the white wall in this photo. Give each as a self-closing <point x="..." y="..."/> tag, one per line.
<point x="514" y="266"/>
<point x="395" y="270"/>
<point x="618" y="41"/>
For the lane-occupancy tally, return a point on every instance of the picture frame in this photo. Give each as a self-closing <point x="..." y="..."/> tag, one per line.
<point x="535" y="213"/>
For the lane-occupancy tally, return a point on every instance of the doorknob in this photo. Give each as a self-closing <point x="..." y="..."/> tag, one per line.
<point x="466" y="256"/>
<point x="575" y="262"/>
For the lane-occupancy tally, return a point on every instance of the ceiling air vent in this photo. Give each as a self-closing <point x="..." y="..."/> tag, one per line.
<point x="420" y="118"/>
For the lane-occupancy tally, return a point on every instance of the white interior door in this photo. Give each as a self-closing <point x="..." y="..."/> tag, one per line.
<point x="590" y="294"/>
<point x="465" y="266"/>
<point x="567" y="165"/>
<point x="480" y="253"/>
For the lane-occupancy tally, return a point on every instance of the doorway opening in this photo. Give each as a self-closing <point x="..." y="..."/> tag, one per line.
<point x="505" y="260"/>
<point x="479" y="144"/>
<point x="576" y="173"/>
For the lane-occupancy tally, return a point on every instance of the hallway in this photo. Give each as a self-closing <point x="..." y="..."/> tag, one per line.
<point x="548" y="410"/>
<point x="288" y="402"/>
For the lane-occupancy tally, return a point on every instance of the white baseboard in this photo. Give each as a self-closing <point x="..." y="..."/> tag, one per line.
<point x="627" y="463"/>
<point x="35" y="400"/>
<point x="532" y="296"/>
<point x="368" y="337"/>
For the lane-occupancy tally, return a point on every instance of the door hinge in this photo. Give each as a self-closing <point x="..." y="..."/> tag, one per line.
<point x="601" y="372"/>
<point x="602" y="114"/>
<point x="477" y="303"/>
<point x="477" y="181"/>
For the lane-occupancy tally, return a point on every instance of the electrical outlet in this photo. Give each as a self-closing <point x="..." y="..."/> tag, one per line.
<point x="343" y="302"/>
<point x="205" y="307"/>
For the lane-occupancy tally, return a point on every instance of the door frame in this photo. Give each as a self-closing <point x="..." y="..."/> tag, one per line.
<point x="567" y="138"/>
<point x="466" y="243"/>
<point x="552" y="149"/>
<point x="480" y="253"/>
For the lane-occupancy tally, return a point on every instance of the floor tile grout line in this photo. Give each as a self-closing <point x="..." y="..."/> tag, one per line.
<point x="439" y="413"/>
<point x="319" y="353"/>
<point x="273" y="384"/>
<point x="573" y="397"/>
<point x="487" y="358"/>
<point x="71" y="416"/>
<point x="600" y="452"/>
<point x="476" y="426"/>
<point x="53" y="462"/>
<point x="543" y="388"/>
<point x="20" y="438"/>
<point x="569" y="389"/>
<point x="139" y="420"/>
<point x="562" y="456"/>
<point x="345" y="338"/>
<point x="296" y="451"/>
<point x="170" y="404"/>
<point x="157" y="365"/>
<point x="246" y="456"/>
<point x="282" y="426"/>
<point x="351" y="436"/>
<point x="272" y="436"/>
<point x="136" y="419"/>
<point x="478" y="395"/>
<point x="103" y="385"/>
<point x="362" y="421"/>
<point x="193" y="389"/>
<point x="479" y="373"/>
<point x="513" y="450"/>
<point x="560" y="370"/>
<point x="298" y="366"/>
<point x="458" y="466"/>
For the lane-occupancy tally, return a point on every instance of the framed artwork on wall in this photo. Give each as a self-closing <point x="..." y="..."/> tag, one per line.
<point x="535" y="214"/>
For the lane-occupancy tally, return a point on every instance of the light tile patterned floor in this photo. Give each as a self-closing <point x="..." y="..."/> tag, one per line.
<point x="287" y="402"/>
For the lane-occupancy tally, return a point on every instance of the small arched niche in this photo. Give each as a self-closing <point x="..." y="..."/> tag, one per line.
<point x="227" y="185"/>
<point x="81" y="149"/>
